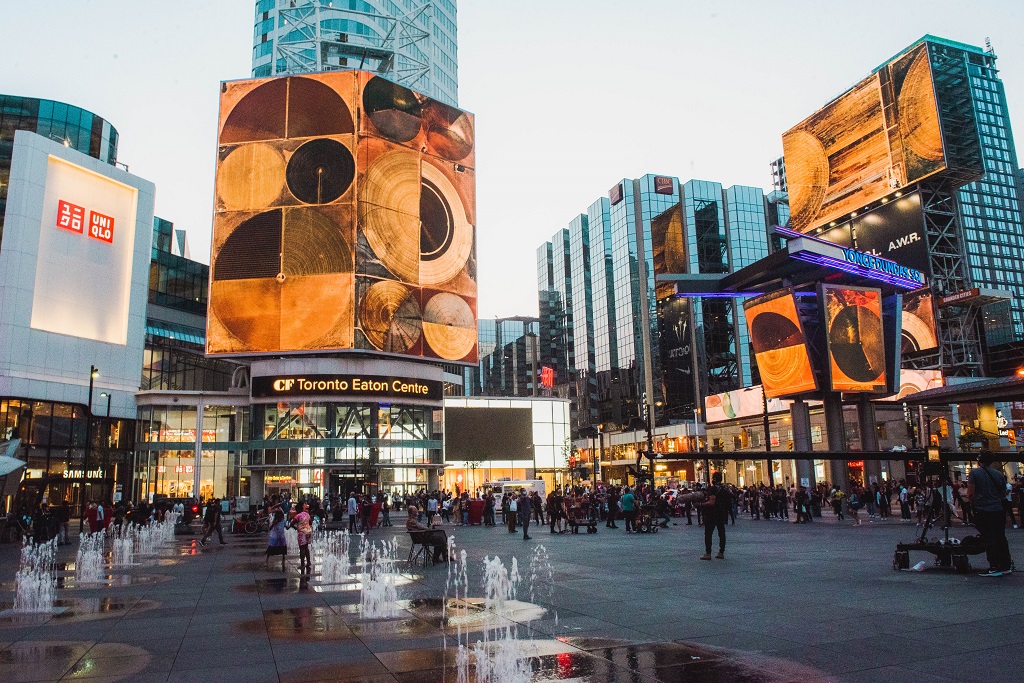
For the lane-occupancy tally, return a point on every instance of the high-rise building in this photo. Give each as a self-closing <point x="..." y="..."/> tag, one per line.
<point x="509" y="359"/>
<point x="613" y="335"/>
<point x="411" y="42"/>
<point x="986" y="222"/>
<point x="71" y="126"/>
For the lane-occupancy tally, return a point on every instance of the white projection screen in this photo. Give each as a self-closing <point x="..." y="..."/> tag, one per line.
<point x="84" y="263"/>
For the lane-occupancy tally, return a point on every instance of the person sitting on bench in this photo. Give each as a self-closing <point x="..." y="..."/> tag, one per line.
<point x="438" y="540"/>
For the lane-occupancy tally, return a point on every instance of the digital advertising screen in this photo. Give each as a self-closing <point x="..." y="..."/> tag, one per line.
<point x="914" y="381"/>
<point x="668" y="247"/>
<point x="86" y="247"/>
<point x="881" y="135"/>
<point x="918" y="323"/>
<point x="469" y="433"/>
<point x="780" y="347"/>
<point x="856" y="338"/>
<point x="895" y="231"/>
<point x="344" y="220"/>
<point x="748" y="402"/>
<point x="676" y="351"/>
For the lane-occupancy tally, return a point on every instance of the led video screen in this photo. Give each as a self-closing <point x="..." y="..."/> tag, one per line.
<point x="918" y="323"/>
<point x="881" y="135"/>
<point x="469" y="434"/>
<point x="914" y="381"/>
<point x="668" y="247"/>
<point x="86" y="247"/>
<point x="856" y="338"/>
<point x="780" y="347"/>
<point x="895" y="230"/>
<point x="344" y="220"/>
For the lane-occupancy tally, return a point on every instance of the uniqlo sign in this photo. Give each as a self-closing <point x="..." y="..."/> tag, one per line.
<point x="71" y="217"/>
<point x="101" y="227"/>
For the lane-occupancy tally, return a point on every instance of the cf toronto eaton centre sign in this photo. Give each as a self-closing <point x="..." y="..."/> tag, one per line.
<point x="347" y="386"/>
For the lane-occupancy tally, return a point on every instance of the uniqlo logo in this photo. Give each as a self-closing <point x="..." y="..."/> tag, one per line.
<point x="101" y="227"/>
<point x="70" y="216"/>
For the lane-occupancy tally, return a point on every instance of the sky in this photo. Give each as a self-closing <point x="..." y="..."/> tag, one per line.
<point x="570" y="96"/>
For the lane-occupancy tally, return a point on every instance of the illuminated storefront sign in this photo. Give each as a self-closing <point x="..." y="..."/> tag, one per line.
<point x="876" y="263"/>
<point x="347" y="385"/>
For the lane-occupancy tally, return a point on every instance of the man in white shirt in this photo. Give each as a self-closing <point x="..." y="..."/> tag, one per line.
<point x="353" y="510"/>
<point x="431" y="510"/>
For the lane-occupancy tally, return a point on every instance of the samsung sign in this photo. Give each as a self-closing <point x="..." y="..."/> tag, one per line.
<point x="347" y="386"/>
<point x="881" y="265"/>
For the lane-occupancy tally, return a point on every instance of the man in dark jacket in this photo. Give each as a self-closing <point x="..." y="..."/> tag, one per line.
<point x="211" y="522"/>
<point x="715" y="515"/>
<point x="525" y="511"/>
<point x="986" y="487"/>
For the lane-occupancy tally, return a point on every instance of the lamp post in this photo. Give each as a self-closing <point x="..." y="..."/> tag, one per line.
<point x="767" y="438"/>
<point x="696" y="441"/>
<point x="93" y="374"/>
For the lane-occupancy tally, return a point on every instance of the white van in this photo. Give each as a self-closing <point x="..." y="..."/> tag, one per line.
<point x="530" y="485"/>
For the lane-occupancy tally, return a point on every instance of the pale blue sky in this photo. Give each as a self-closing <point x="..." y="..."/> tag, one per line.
<point x="570" y="95"/>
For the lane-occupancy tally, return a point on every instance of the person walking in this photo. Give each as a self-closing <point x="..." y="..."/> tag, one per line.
<point x="628" y="502"/>
<point x="211" y="522"/>
<point x="303" y="525"/>
<point x="986" y="489"/>
<point x="855" y="502"/>
<point x="353" y="510"/>
<point x="715" y="511"/>
<point x="525" y="511"/>
<point x="613" y="507"/>
<point x="277" y="543"/>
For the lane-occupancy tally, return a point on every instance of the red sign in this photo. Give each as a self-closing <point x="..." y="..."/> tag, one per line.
<point x="101" y="227"/>
<point x="856" y="464"/>
<point x="178" y="469"/>
<point x="70" y="216"/>
<point x="959" y="297"/>
<point x="547" y="377"/>
<point x="189" y="469"/>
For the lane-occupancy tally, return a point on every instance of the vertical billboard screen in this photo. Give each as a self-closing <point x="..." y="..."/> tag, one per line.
<point x="856" y="338"/>
<point x="918" y="323"/>
<point x="881" y="135"/>
<point x="676" y="351"/>
<point x="780" y="347"/>
<point x="86" y="247"/>
<point x="668" y="247"/>
<point x="344" y="220"/>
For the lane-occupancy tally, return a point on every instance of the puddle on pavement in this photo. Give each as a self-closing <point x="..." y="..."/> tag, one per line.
<point x="68" y="582"/>
<point x="553" y="660"/>
<point x="29" y="660"/>
<point x="300" y="584"/>
<point x="299" y="623"/>
<point x="74" y="610"/>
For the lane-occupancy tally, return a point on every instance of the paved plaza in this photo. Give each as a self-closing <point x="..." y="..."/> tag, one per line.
<point x="802" y="603"/>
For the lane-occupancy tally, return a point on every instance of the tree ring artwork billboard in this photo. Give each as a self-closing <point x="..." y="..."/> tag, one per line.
<point x="345" y="219"/>
<point x="881" y="135"/>
<point x="780" y="346"/>
<point x="856" y="338"/>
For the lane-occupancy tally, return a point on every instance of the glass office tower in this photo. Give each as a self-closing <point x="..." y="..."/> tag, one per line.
<point x="74" y="127"/>
<point x="411" y="42"/>
<point x="604" y="322"/>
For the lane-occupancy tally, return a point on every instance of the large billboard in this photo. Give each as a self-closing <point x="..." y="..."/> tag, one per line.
<point x="668" y="247"/>
<point x="881" y="135"/>
<point x="895" y="231"/>
<point x="86" y="246"/>
<point x="344" y="220"/>
<point x="780" y="347"/>
<point x="918" y="331"/>
<point x="856" y="338"/>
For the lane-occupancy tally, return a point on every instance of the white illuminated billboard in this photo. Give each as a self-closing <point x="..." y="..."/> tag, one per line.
<point x="84" y="262"/>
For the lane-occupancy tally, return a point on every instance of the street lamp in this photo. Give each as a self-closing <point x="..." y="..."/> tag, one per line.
<point x="106" y="395"/>
<point x="94" y="372"/>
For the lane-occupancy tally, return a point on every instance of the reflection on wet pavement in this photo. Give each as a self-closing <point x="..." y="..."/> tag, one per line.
<point x="49" y="660"/>
<point x="74" y="610"/>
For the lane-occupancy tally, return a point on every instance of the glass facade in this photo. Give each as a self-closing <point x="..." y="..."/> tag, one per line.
<point x="71" y="126"/>
<point x="412" y="42"/>
<point x="597" y="290"/>
<point x="509" y="357"/>
<point x="990" y="209"/>
<point x="85" y="463"/>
